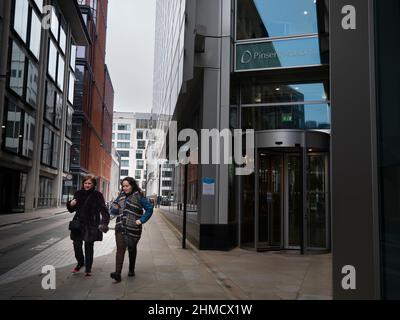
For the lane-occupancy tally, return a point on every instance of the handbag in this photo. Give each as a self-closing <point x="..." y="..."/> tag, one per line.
<point x="75" y="224"/>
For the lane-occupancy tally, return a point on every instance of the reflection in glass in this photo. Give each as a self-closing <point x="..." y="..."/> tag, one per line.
<point x="70" y="112"/>
<point x="29" y="136"/>
<point x="73" y="57"/>
<point x="294" y="200"/>
<point x="36" y="29"/>
<point x="275" y="18"/>
<point x="316" y="202"/>
<point x="54" y="24"/>
<point x="248" y="209"/>
<point x="56" y="151"/>
<point x="17" y="70"/>
<point x="21" y="18"/>
<point x="298" y="116"/>
<point x="71" y="87"/>
<point x="47" y="146"/>
<point x="67" y="156"/>
<point x="58" y="117"/>
<point x="13" y="128"/>
<point x="60" y="74"/>
<point x="52" y="66"/>
<point x="278" y="93"/>
<point x="50" y="102"/>
<point x="63" y="40"/>
<point x="32" y="84"/>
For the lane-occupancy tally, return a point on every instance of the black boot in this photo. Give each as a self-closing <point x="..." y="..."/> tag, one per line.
<point x="131" y="273"/>
<point x="116" y="276"/>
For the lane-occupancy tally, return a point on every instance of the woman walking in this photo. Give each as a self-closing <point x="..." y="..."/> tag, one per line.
<point x="128" y="228"/>
<point x="90" y="220"/>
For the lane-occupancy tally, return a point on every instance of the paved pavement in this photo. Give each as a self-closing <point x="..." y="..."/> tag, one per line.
<point x="164" y="270"/>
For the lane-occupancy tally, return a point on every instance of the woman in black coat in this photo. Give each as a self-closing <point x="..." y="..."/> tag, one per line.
<point x="93" y="217"/>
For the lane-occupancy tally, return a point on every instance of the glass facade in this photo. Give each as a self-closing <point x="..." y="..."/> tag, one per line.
<point x="17" y="74"/>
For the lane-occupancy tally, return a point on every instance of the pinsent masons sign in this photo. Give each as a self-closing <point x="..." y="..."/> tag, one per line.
<point x="277" y="54"/>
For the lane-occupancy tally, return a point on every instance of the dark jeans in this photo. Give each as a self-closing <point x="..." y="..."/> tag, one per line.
<point x="124" y="242"/>
<point x="86" y="260"/>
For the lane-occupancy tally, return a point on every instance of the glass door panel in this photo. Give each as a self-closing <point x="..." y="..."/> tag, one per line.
<point x="293" y="201"/>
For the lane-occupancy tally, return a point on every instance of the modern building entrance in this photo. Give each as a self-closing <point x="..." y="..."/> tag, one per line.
<point x="290" y="195"/>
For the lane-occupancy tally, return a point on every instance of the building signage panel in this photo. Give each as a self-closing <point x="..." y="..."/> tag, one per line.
<point x="286" y="53"/>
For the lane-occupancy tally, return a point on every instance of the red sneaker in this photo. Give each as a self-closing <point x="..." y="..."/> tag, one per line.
<point x="77" y="268"/>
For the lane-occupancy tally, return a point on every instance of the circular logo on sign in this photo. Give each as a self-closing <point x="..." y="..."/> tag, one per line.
<point x="246" y="57"/>
<point x="69" y="176"/>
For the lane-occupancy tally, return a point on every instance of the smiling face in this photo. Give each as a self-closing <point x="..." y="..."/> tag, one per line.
<point x="126" y="187"/>
<point x="87" y="185"/>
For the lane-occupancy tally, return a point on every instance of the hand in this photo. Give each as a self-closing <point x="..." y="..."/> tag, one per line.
<point x="138" y="222"/>
<point x="73" y="202"/>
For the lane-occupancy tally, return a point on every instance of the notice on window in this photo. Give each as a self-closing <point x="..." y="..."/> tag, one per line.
<point x="209" y="186"/>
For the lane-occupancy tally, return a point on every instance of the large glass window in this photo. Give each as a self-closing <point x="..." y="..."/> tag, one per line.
<point x="52" y="66"/>
<point x="124" y="136"/>
<point x="67" y="156"/>
<point x="141" y="144"/>
<point x="21" y="18"/>
<point x="81" y="52"/>
<point x="139" y="154"/>
<point x="71" y="87"/>
<point x="139" y="135"/>
<point x="54" y="24"/>
<point x="45" y="192"/>
<point x="73" y="57"/>
<point x="32" y="84"/>
<point x="123" y="154"/>
<point x="275" y="18"/>
<point x="124" y="163"/>
<point x="36" y="30"/>
<point x="50" y="102"/>
<point x="58" y="110"/>
<point x="124" y="127"/>
<point x="17" y="69"/>
<point x="140" y="164"/>
<point x="13" y="130"/>
<point x="124" y="145"/>
<point x="29" y="136"/>
<point x="124" y="173"/>
<point x="60" y="73"/>
<point x="63" y="40"/>
<point x="47" y="146"/>
<point x="138" y="174"/>
<point x="68" y="130"/>
<point x="56" y="150"/>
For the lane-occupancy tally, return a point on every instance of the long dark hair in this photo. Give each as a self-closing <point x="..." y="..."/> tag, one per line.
<point x="133" y="183"/>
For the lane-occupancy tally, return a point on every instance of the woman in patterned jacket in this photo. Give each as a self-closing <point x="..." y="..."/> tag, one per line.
<point x="129" y="207"/>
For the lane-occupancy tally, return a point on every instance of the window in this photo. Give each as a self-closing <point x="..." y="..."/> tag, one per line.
<point x="124" y="136"/>
<point x="39" y="4"/>
<point x="139" y="155"/>
<point x="123" y="154"/>
<point x="52" y="66"/>
<point x="124" y="163"/>
<point x="125" y="173"/>
<point x="47" y="145"/>
<point x="58" y="109"/>
<point x="124" y="127"/>
<point x="67" y="156"/>
<point x="71" y="87"/>
<point x="56" y="154"/>
<point x="140" y="164"/>
<point x="141" y="144"/>
<point x="167" y="183"/>
<point x="36" y="29"/>
<point x="165" y="193"/>
<point x="81" y="52"/>
<point x="21" y="18"/>
<point x="68" y="130"/>
<point x="73" y="57"/>
<point x="45" y="192"/>
<point x="124" y="145"/>
<point x="50" y="102"/>
<point x="138" y="174"/>
<point x="17" y="69"/>
<point x="60" y="73"/>
<point x="113" y="136"/>
<point x="32" y="84"/>
<point x="13" y="129"/>
<point x="54" y="24"/>
<point x="275" y="18"/>
<point x="167" y="174"/>
<point x="139" y="135"/>
<point x="28" y="136"/>
<point x="63" y="40"/>
<point x="142" y="124"/>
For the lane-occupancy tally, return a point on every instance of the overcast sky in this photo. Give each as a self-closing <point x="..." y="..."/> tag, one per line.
<point x="130" y="53"/>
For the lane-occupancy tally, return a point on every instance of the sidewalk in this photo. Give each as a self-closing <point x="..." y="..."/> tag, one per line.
<point x="7" y="219"/>
<point x="166" y="271"/>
